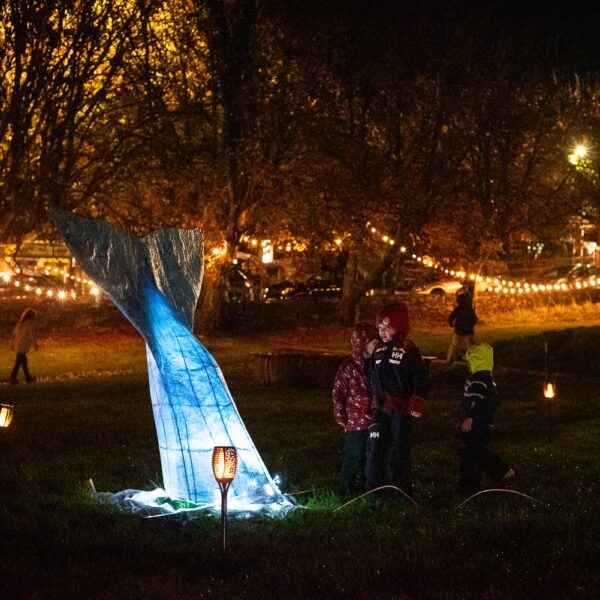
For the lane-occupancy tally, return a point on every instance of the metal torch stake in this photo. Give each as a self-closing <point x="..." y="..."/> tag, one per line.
<point x="224" y="489"/>
<point x="548" y="400"/>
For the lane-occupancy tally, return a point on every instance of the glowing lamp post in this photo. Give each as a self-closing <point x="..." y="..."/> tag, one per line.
<point x="6" y="415"/>
<point x="224" y="462"/>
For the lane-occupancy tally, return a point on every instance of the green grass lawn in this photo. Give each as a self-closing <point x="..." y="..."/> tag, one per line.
<point x="90" y="417"/>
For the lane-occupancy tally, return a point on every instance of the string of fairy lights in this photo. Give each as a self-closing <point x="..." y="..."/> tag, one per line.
<point x="490" y="283"/>
<point x="493" y="284"/>
<point x="28" y="286"/>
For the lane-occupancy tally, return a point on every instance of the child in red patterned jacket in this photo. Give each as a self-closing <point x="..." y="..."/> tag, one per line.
<point x="351" y="404"/>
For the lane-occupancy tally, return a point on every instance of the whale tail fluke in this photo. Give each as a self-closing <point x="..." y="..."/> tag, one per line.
<point x="119" y="262"/>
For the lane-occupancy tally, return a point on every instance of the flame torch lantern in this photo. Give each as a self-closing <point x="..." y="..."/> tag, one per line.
<point x="549" y="390"/>
<point x="549" y="395"/>
<point x="225" y="463"/>
<point x="6" y="415"/>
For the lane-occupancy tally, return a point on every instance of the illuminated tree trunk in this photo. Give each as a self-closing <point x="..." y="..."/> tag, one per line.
<point x="351" y="294"/>
<point x="211" y="313"/>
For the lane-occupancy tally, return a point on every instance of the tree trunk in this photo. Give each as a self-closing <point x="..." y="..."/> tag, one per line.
<point x="352" y="292"/>
<point x="210" y="313"/>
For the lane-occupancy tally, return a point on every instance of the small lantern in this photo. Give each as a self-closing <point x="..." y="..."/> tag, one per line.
<point x="225" y="463"/>
<point x="6" y="415"/>
<point x="549" y="395"/>
<point x="549" y="390"/>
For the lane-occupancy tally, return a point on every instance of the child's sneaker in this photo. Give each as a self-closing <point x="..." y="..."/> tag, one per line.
<point x="506" y="478"/>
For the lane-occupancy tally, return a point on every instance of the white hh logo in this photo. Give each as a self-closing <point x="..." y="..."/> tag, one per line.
<point x="397" y="354"/>
<point x="374" y="434"/>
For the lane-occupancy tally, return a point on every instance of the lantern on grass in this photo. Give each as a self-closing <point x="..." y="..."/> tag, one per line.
<point x="224" y="462"/>
<point x="6" y="414"/>
<point x="549" y="395"/>
<point x="549" y="390"/>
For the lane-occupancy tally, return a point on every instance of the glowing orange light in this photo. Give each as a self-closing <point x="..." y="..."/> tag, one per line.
<point x="224" y="463"/>
<point x="6" y="415"/>
<point x="549" y="390"/>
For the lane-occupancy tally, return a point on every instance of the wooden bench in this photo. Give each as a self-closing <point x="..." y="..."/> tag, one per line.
<point x="302" y="367"/>
<point x="428" y="359"/>
<point x="297" y="367"/>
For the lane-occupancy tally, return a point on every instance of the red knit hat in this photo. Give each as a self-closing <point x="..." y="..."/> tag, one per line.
<point x="397" y="318"/>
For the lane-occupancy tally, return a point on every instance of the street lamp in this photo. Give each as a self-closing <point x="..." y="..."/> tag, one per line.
<point x="578" y="155"/>
<point x="6" y="414"/>
<point x="224" y="462"/>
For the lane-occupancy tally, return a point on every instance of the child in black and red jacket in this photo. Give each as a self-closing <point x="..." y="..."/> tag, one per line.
<point x="351" y="405"/>
<point x="399" y="388"/>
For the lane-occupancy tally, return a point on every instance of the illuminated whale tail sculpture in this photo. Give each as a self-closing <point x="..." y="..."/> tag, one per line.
<point x="155" y="281"/>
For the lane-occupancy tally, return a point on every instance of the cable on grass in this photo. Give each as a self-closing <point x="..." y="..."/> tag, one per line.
<point x="323" y="489"/>
<point x="383" y="487"/>
<point x="498" y="490"/>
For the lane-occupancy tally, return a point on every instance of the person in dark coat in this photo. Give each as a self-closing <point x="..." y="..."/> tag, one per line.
<point x="399" y="388"/>
<point x="463" y="318"/>
<point x="352" y="405"/>
<point x="479" y="407"/>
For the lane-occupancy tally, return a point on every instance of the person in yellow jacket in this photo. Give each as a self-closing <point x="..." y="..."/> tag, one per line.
<point x="477" y="423"/>
<point x="22" y="339"/>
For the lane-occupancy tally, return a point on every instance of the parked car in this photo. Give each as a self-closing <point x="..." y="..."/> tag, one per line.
<point x="323" y="288"/>
<point x="447" y="286"/>
<point x="313" y="287"/>
<point x="555" y="274"/>
<point x="283" y="291"/>
<point x="580" y="272"/>
<point x="440" y="287"/>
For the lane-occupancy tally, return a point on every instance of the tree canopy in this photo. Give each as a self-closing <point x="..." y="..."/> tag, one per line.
<point x="435" y="123"/>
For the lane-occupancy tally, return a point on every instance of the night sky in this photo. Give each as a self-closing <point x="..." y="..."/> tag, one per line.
<point x="560" y="35"/>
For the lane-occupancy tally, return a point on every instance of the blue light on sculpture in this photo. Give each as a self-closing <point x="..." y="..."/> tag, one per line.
<point x="155" y="281"/>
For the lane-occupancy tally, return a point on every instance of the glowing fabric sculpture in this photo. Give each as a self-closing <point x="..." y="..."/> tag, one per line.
<point x="155" y="281"/>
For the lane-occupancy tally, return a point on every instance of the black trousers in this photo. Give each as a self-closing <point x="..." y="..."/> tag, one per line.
<point x="353" y="461"/>
<point x="388" y="452"/>
<point x="20" y="361"/>
<point x="476" y="457"/>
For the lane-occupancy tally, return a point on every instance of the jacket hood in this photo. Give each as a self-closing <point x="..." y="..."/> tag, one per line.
<point x="480" y="357"/>
<point x="397" y="318"/>
<point x="362" y="334"/>
<point x="464" y="299"/>
<point x="27" y="314"/>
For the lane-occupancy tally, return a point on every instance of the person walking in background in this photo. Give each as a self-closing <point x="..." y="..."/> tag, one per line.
<point x="22" y="339"/>
<point x="463" y="318"/>
<point x="479" y="407"/>
<point x="399" y="388"/>
<point x="351" y="405"/>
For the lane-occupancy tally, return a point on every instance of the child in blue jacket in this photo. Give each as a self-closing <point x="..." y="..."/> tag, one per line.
<point x="479" y="405"/>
